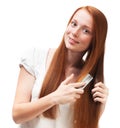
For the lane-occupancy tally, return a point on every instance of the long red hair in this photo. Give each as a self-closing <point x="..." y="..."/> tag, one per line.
<point x="86" y="111"/>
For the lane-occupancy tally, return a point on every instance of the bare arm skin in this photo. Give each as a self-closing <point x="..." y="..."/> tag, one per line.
<point x="24" y="110"/>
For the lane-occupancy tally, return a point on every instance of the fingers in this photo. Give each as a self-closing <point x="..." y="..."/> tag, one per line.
<point x="100" y="92"/>
<point x="68" y="79"/>
<point x="77" y="85"/>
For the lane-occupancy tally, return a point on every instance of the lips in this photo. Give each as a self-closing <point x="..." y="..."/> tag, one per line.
<point x="72" y="41"/>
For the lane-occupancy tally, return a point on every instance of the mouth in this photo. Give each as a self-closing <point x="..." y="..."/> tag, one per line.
<point x="72" y="41"/>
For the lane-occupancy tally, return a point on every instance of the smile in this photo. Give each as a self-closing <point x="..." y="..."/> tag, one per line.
<point x="72" y="41"/>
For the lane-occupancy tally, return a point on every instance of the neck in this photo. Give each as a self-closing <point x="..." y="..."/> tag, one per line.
<point x="73" y="59"/>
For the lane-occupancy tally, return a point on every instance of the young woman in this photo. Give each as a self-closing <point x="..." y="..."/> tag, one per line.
<point x="50" y="90"/>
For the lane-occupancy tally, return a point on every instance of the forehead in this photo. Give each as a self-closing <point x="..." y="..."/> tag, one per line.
<point x="82" y="16"/>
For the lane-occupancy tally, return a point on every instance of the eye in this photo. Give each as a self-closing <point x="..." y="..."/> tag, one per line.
<point x="86" y="31"/>
<point x="73" y="24"/>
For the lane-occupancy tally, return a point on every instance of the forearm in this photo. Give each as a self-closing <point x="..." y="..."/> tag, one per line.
<point x="23" y="112"/>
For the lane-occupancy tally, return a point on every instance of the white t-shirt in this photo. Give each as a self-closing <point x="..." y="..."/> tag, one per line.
<point x="34" y="61"/>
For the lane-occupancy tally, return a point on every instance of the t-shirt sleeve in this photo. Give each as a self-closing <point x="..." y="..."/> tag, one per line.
<point x="28" y="61"/>
<point x="33" y="60"/>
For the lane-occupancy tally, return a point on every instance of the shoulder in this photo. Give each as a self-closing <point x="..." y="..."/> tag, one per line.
<point x="51" y="52"/>
<point x="50" y="55"/>
<point x="33" y="58"/>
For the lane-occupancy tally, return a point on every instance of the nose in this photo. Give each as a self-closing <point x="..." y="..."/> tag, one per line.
<point x="75" y="32"/>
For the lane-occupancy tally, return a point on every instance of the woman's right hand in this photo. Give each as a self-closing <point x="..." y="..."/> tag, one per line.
<point x="68" y="92"/>
<point x="24" y="110"/>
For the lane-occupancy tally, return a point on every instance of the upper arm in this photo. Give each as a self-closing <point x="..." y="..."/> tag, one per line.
<point x="30" y="66"/>
<point x="24" y="86"/>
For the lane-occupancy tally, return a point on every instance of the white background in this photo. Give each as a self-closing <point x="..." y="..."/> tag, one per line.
<point x="35" y="23"/>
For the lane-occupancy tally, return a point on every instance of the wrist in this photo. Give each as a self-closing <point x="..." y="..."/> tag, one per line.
<point x="53" y="98"/>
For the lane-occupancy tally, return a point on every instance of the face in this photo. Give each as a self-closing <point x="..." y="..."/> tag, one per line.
<point x="79" y="32"/>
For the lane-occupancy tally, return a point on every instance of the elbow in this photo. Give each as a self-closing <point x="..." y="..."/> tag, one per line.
<point x="16" y="116"/>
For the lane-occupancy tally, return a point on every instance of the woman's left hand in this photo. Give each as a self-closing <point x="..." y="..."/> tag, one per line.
<point x="100" y="92"/>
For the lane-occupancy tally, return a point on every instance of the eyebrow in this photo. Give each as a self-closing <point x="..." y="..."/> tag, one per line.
<point x="83" y="25"/>
<point x="88" y="27"/>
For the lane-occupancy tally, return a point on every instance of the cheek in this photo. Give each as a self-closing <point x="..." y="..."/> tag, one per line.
<point x="86" y="40"/>
<point x="65" y="38"/>
<point x="67" y="31"/>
